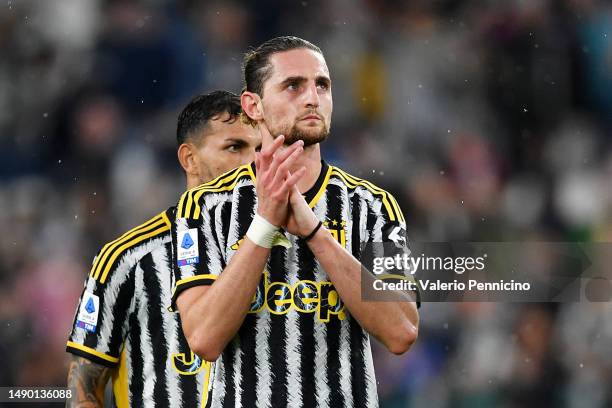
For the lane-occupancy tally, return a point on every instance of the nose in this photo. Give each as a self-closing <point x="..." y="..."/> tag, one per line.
<point x="311" y="96"/>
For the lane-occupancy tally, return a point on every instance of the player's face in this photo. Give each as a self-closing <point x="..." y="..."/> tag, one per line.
<point x="297" y="98"/>
<point x="224" y="146"/>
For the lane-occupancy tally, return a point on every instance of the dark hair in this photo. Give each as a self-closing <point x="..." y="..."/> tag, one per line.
<point x="256" y="63"/>
<point x="201" y="109"/>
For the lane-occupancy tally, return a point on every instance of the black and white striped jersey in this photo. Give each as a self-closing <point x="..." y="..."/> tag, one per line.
<point x="122" y="322"/>
<point x="298" y="345"/>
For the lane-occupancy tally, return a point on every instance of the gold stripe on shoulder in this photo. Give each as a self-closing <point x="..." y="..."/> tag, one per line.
<point x="165" y="227"/>
<point x="354" y="182"/>
<point x="107" y="246"/>
<point x="181" y="204"/>
<point x="188" y="195"/>
<point x="191" y="194"/>
<point x="113" y="244"/>
<point x="398" y="209"/>
<point x="156" y="226"/>
<point x="212" y="189"/>
<point x="314" y="200"/>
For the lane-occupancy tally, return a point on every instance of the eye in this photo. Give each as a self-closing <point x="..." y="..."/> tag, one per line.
<point x="233" y="148"/>
<point x="258" y="148"/>
<point x="323" y="85"/>
<point x="292" y="86"/>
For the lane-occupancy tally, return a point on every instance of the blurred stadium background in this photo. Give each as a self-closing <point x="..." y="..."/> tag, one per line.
<point x="489" y="120"/>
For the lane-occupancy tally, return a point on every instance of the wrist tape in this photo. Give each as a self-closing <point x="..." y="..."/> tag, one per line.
<point x="261" y="232"/>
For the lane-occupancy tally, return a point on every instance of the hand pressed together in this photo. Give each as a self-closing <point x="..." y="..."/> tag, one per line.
<point x="279" y="200"/>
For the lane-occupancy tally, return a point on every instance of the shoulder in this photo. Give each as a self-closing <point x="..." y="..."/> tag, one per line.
<point x="130" y="247"/>
<point x="190" y="204"/>
<point x="373" y="194"/>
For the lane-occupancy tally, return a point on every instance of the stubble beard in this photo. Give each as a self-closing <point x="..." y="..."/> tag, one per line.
<point x="309" y="138"/>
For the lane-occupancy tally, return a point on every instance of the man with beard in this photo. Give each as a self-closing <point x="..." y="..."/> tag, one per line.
<point x="280" y="310"/>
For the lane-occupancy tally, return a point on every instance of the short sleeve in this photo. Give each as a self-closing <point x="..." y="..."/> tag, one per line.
<point x="197" y="257"/>
<point x="102" y="316"/>
<point x="389" y="237"/>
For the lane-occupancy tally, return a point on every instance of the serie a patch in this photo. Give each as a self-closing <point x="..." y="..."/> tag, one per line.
<point x="187" y="252"/>
<point x="88" y="312"/>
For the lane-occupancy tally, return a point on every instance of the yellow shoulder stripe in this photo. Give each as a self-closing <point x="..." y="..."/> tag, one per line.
<point x="366" y="183"/>
<point x="93" y="352"/>
<point x="189" y="199"/>
<point x="194" y="207"/>
<point x="315" y="199"/>
<point x="111" y="251"/>
<point x="188" y="195"/>
<point x="388" y="200"/>
<point x="109" y="246"/>
<point x="128" y="245"/>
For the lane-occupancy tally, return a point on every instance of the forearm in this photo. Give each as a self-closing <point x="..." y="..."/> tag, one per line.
<point x="395" y="324"/>
<point x="87" y="381"/>
<point x="212" y="320"/>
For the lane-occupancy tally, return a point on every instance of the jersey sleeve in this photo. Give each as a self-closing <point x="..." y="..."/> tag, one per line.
<point x="103" y="313"/>
<point x="389" y="238"/>
<point x="197" y="258"/>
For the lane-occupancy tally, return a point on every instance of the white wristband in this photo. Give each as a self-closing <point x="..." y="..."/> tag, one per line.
<point x="261" y="232"/>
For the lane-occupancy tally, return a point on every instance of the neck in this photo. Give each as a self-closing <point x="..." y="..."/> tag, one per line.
<point x="191" y="183"/>
<point x="311" y="159"/>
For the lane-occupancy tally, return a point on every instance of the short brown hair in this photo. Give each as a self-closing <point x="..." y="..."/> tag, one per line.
<point x="256" y="64"/>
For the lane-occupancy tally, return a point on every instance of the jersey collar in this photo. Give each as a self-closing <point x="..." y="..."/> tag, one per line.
<point x="314" y="193"/>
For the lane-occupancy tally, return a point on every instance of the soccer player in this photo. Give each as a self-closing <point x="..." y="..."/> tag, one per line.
<point x="122" y="327"/>
<point x="281" y="310"/>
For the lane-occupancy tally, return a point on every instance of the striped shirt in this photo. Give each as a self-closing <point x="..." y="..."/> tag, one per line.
<point x="122" y="322"/>
<point x="298" y="345"/>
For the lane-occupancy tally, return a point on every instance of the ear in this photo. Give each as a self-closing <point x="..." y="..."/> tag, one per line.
<point x="187" y="157"/>
<point x="252" y="106"/>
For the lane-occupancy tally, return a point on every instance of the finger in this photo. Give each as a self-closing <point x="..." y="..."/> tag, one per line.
<point x="291" y="181"/>
<point x="268" y="151"/>
<point x="282" y="156"/>
<point x="294" y="193"/>
<point x="257" y="163"/>
<point x="281" y="171"/>
<point x="263" y="130"/>
<point x="267" y="154"/>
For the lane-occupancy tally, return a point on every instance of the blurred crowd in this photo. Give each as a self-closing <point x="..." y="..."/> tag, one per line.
<point x="489" y="120"/>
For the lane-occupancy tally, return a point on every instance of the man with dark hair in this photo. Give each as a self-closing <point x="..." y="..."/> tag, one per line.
<point x="122" y="327"/>
<point x="280" y="310"/>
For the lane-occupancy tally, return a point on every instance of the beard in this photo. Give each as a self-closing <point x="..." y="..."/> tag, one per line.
<point x="309" y="136"/>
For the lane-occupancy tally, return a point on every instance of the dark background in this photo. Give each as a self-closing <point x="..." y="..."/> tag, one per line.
<point x="488" y="120"/>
